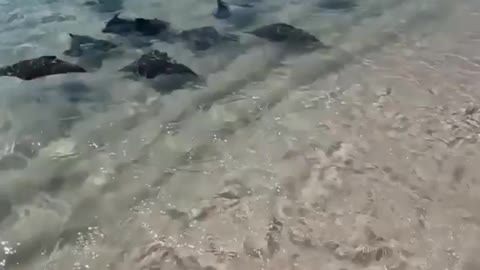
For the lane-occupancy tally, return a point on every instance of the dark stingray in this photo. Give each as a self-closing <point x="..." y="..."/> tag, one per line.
<point x="81" y="45"/>
<point x="141" y="26"/>
<point x="163" y="73"/>
<point x="338" y="5"/>
<point x="90" y="51"/>
<point x="238" y="16"/>
<point x="224" y="10"/>
<point x="40" y="67"/>
<point x="155" y="63"/>
<point x="203" y="38"/>
<point x="285" y="33"/>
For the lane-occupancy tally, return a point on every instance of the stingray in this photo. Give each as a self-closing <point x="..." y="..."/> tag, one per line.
<point x="81" y="45"/>
<point x="239" y="15"/>
<point x="288" y="34"/>
<point x="141" y="26"/>
<point x="40" y="67"/>
<point x="225" y="10"/>
<point x="155" y="63"/>
<point x="162" y="72"/>
<point x="90" y="51"/>
<point x="203" y="38"/>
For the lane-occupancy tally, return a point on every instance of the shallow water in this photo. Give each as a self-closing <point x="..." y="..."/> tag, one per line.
<point x="359" y="157"/>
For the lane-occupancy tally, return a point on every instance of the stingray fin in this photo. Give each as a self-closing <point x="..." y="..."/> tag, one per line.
<point x="223" y="10"/>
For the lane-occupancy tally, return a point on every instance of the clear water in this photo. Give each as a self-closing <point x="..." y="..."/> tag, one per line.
<point x="362" y="157"/>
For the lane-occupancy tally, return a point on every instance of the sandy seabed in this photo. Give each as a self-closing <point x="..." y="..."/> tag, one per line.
<point x="360" y="158"/>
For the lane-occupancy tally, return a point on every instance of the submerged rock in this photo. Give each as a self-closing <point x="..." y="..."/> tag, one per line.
<point x="40" y="67"/>
<point x="285" y="33"/>
<point x="155" y="63"/>
<point x="203" y="38"/>
<point x="145" y="27"/>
